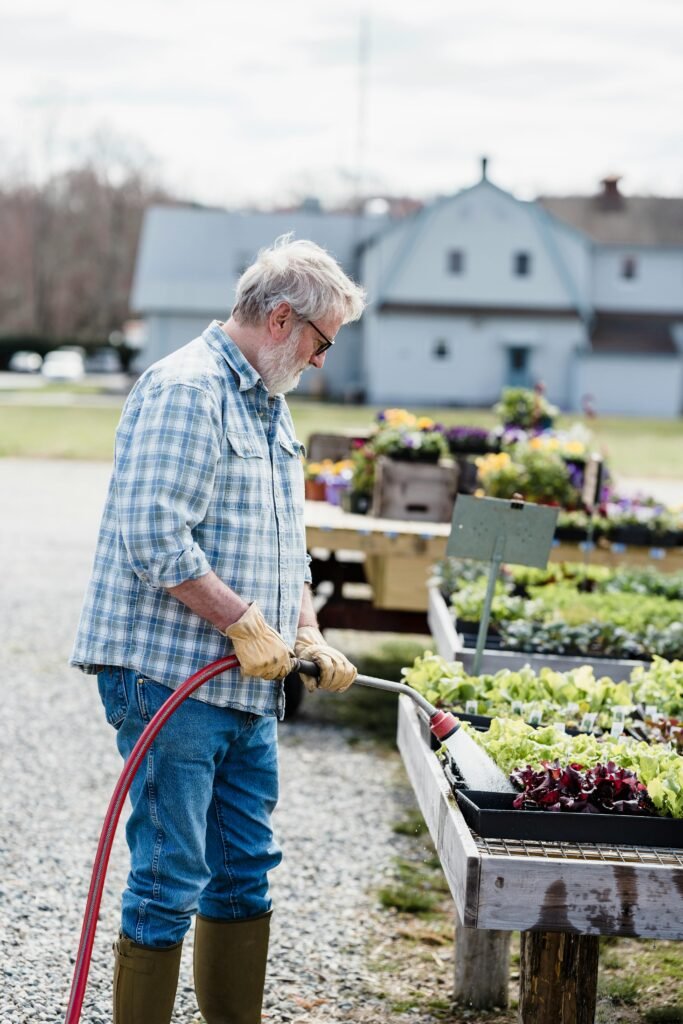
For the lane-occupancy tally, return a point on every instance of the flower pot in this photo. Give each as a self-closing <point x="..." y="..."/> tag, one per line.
<point x="414" y="455"/>
<point x="314" y="490"/>
<point x="473" y="446"/>
<point x="334" y="489"/>
<point x="636" y="534"/>
<point x="570" y="533"/>
<point x="356" y="502"/>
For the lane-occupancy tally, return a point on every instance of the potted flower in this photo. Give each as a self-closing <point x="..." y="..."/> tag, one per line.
<point x="526" y="408"/>
<point x="337" y="478"/>
<point x="314" y="482"/>
<point x="539" y="475"/>
<point x="406" y="437"/>
<point x="358" y="497"/>
<point x="466" y="440"/>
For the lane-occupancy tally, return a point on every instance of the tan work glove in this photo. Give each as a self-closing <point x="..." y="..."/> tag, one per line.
<point x="336" y="671"/>
<point x="261" y="651"/>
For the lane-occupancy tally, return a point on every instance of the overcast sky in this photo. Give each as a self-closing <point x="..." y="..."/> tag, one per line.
<point x="238" y="102"/>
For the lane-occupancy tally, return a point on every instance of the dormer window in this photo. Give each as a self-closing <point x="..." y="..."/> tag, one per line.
<point x="521" y="264"/>
<point x="456" y="261"/>
<point x="441" y="349"/>
<point x="629" y="268"/>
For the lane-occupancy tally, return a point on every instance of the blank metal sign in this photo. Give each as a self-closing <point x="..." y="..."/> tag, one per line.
<point x="517" y="532"/>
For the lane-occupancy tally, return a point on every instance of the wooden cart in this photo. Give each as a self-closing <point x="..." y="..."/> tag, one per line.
<point x="561" y="896"/>
<point x="395" y="558"/>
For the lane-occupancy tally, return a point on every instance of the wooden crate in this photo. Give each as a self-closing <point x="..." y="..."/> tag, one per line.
<point x="399" y="583"/>
<point x="414" y="490"/>
<point x="332" y="446"/>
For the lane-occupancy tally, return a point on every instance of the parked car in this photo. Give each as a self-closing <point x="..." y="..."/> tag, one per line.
<point x="25" y="362"/>
<point x="64" y="364"/>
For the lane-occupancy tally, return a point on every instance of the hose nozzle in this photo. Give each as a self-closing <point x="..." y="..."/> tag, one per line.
<point x="443" y="724"/>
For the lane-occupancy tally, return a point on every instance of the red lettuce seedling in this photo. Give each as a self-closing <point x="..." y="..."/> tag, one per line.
<point x="603" y="789"/>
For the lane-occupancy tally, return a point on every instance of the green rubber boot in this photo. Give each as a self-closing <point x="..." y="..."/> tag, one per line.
<point x="230" y="968"/>
<point x="145" y="982"/>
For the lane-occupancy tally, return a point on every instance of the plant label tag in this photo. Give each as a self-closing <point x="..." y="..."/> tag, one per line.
<point x="617" y="729"/>
<point x="560" y="726"/>
<point x="651" y="711"/>
<point x="517" y="708"/>
<point x="572" y="708"/>
<point x="588" y="721"/>
<point x="618" y="713"/>
<point x="535" y="717"/>
<point x="471" y="707"/>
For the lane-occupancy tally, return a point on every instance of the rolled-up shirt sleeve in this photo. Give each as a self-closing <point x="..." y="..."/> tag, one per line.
<point x="165" y="471"/>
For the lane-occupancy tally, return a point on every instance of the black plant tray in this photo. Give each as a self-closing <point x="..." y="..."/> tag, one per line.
<point x="492" y="816"/>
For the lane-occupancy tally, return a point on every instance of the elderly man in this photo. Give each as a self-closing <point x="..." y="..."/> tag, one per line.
<point x="203" y="539"/>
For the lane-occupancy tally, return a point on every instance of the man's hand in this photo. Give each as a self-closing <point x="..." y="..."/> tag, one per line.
<point x="261" y="651"/>
<point x="336" y="671"/>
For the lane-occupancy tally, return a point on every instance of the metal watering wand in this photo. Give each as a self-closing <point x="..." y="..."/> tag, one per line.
<point x="442" y="724"/>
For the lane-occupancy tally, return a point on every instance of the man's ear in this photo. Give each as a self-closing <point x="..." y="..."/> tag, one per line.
<point x="279" y="321"/>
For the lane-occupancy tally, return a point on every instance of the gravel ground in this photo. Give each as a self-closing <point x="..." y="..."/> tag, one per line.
<point x="59" y="765"/>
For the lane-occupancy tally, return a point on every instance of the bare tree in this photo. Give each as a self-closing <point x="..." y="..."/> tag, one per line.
<point x="67" y="249"/>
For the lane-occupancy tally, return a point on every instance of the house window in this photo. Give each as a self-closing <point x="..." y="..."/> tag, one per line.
<point x="456" y="261"/>
<point x="521" y="264"/>
<point x="441" y="349"/>
<point x="629" y="268"/>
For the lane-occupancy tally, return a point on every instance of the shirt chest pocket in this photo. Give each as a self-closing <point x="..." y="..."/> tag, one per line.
<point x="247" y="475"/>
<point x="290" y="469"/>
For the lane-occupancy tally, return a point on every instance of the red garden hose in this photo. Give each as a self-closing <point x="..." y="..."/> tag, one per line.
<point x="442" y="724"/>
<point x="99" y="871"/>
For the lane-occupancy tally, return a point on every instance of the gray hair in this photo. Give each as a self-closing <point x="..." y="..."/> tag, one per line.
<point x="301" y="274"/>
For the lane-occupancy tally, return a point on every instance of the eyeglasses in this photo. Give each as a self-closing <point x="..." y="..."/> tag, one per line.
<point x="327" y="343"/>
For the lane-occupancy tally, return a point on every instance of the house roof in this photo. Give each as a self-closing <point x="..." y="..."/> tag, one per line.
<point x="408" y="233"/>
<point x="189" y="258"/>
<point x="631" y="332"/>
<point x="611" y="218"/>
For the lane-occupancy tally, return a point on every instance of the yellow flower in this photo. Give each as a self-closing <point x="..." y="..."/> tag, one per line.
<point x="575" y="447"/>
<point x="487" y="464"/>
<point x="399" y="418"/>
<point x="424" y="423"/>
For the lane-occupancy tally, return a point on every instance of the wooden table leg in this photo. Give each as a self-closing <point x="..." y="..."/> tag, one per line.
<point x="482" y="967"/>
<point x="558" y="978"/>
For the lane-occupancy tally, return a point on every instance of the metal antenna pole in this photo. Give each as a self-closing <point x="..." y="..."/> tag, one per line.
<point x="361" y="122"/>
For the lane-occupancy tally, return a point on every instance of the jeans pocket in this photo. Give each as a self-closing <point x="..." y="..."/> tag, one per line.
<point x="150" y="696"/>
<point x="112" y="687"/>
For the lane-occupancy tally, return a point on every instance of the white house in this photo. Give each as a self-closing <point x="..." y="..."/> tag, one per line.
<point x="479" y="291"/>
<point x="474" y="292"/>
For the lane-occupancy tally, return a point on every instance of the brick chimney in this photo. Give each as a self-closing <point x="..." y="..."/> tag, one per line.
<point x="610" y="198"/>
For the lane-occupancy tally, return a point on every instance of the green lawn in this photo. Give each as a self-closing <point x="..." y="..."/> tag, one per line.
<point x="634" y="447"/>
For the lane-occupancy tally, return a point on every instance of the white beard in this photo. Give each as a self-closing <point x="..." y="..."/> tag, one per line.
<point x="281" y="368"/>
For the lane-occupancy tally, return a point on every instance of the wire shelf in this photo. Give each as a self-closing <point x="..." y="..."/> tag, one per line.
<point x="608" y="854"/>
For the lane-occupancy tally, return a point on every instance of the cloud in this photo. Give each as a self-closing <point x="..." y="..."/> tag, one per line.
<point x="248" y="98"/>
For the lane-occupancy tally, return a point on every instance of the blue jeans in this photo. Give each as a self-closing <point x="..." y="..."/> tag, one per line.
<point x="199" y="833"/>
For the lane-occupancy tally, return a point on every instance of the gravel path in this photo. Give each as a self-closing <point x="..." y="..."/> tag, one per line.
<point x="58" y="765"/>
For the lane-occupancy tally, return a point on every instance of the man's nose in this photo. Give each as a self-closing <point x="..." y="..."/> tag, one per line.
<point x="318" y="360"/>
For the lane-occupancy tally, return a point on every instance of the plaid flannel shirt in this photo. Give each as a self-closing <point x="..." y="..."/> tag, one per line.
<point x="207" y="475"/>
